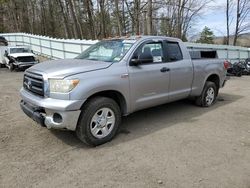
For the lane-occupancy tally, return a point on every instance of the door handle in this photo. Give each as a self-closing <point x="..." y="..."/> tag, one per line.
<point x="165" y="69"/>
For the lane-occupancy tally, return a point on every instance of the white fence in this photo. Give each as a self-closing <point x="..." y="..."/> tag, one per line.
<point x="50" y="47"/>
<point x="70" y="48"/>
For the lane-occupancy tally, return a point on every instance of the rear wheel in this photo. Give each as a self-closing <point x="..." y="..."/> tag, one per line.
<point x="239" y="74"/>
<point x="208" y="95"/>
<point x="99" y="121"/>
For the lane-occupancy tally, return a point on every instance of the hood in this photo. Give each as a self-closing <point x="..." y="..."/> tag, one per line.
<point x="67" y="67"/>
<point x="15" y="55"/>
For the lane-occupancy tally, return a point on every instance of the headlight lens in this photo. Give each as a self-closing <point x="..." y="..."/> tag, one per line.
<point x="62" y="86"/>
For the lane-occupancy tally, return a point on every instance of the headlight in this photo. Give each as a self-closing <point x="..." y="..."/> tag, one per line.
<point x="62" y="86"/>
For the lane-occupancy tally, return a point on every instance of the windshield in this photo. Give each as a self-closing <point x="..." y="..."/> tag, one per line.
<point x="19" y="50"/>
<point x="109" y="51"/>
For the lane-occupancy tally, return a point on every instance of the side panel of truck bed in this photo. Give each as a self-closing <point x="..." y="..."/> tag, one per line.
<point x="203" y="68"/>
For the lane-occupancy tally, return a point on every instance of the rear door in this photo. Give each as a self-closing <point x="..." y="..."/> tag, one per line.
<point x="149" y="82"/>
<point x="181" y="71"/>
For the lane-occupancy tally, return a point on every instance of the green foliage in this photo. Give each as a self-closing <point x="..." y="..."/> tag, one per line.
<point x="206" y="36"/>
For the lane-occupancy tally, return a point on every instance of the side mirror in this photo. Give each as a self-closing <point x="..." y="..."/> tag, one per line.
<point x="134" y="62"/>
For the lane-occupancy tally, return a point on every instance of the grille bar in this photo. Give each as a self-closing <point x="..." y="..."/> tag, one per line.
<point x="32" y="79"/>
<point x="34" y="83"/>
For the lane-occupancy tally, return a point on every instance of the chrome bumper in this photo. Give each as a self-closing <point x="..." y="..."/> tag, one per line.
<point x="24" y="65"/>
<point x="49" y="103"/>
<point x="46" y="111"/>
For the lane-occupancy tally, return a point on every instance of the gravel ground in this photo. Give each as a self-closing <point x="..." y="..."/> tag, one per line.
<point x="173" y="145"/>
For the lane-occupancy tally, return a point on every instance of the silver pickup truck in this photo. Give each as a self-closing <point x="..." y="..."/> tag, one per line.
<point x="113" y="78"/>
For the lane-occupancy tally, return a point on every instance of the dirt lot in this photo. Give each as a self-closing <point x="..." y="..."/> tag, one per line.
<point x="174" y="145"/>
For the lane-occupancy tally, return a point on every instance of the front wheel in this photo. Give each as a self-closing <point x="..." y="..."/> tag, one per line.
<point x="208" y="95"/>
<point x="11" y="67"/>
<point x="99" y="121"/>
<point x="2" y="65"/>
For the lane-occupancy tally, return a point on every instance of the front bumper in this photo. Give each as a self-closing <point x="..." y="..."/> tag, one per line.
<point x="33" y="113"/>
<point x="21" y="65"/>
<point x="51" y="113"/>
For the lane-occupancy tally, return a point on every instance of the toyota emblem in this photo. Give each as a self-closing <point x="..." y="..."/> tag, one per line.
<point x="29" y="84"/>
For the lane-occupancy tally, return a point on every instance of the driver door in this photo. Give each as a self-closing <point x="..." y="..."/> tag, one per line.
<point x="149" y="80"/>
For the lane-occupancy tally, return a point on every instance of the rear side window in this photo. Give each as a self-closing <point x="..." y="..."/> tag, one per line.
<point x="173" y="51"/>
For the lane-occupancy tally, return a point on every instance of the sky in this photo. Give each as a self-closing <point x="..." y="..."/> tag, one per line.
<point x="215" y="21"/>
<point x="214" y="17"/>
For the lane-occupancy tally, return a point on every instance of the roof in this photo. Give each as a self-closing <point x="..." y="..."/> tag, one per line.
<point x="142" y="37"/>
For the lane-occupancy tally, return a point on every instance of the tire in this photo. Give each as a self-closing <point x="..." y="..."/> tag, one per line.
<point x="99" y="121"/>
<point x="2" y="65"/>
<point x="239" y="74"/>
<point x="11" y="67"/>
<point x="204" y="100"/>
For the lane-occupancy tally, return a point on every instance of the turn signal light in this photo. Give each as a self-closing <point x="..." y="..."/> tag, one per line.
<point x="226" y="65"/>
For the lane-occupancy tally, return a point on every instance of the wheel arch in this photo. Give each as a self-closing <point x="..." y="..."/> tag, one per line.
<point x="117" y="96"/>
<point x="215" y="79"/>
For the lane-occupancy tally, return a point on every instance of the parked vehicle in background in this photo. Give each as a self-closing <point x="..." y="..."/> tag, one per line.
<point x="3" y="41"/>
<point x="235" y="69"/>
<point x="17" y="57"/>
<point x="247" y="64"/>
<point x="114" y="78"/>
<point x="239" y="68"/>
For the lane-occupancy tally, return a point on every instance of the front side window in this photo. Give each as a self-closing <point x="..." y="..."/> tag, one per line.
<point x="108" y="51"/>
<point x="150" y="52"/>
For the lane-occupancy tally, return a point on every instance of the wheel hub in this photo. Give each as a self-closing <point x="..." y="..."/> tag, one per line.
<point x="210" y="96"/>
<point x="102" y="122"/>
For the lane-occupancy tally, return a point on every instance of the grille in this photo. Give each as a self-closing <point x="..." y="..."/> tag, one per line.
<point x="34" y="83"/>
<point x="25" y="59"/>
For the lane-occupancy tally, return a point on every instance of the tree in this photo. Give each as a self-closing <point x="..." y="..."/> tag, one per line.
<point x="149" y="18"/>
<point x="97" y="19"/>
<point x="242" y="18"/>
<point x="77" y="26"/>
<point x="229" y="19"/>
<point x="118" y="18"/>
<point x="180" y="15"/>
<point x="206" y="36"/>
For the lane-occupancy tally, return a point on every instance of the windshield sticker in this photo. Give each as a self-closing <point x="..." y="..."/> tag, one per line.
<point x="157" y="59"/>
<point x="129" y="41"/>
